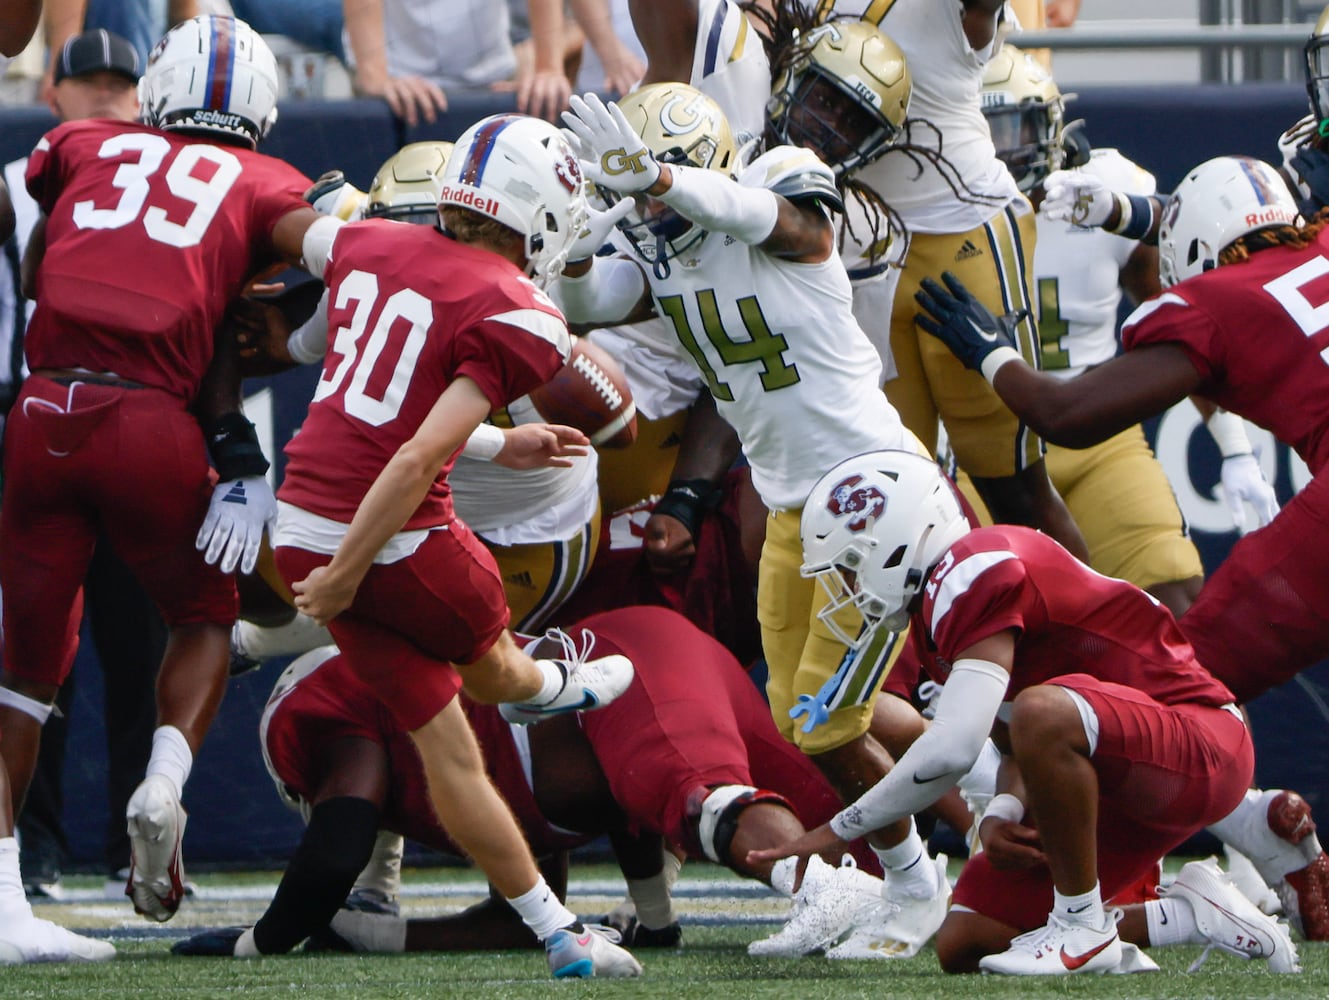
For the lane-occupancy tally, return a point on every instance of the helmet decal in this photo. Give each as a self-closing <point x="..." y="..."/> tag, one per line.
<point x="221" y="62"/>
<point x="684" y="113"/>
<point x="473" y="170"/>
<point x="861" y="504"/>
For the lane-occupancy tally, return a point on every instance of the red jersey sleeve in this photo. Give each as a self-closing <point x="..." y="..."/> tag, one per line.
<point x="44" y="176"/>
<point x="974" y="594"/>
<point x="515" y="341"/>
<point x="1171" y="318"/>
<point x="279" y="193"/>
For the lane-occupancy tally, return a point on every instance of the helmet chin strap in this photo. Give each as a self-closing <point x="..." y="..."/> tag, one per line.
<point x="660" y="266"/>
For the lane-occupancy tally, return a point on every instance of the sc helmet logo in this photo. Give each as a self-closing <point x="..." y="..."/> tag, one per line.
<point x="861" y="504"/>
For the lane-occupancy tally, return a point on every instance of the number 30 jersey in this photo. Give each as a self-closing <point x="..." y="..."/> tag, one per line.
<point x="1258" y="333"/>
<point x="409" y="311"/>
<point x="149" y="235"/>
<point x="789" y="366"/>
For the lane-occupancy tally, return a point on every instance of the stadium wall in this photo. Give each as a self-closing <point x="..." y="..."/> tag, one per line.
<point x="235" y="816"/>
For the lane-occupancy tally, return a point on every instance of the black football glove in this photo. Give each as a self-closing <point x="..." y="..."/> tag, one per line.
<point x="963" y="323"/>
<point x="637" y="935"/>
<point x="211" y="944"/>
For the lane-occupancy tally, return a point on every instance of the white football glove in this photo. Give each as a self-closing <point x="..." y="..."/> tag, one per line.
<point x="233" y="530"/>
<point x="1078" y="198"/>
<point x="1243" y="482"/>
<point x="598" y="227"/>
<point x="612" y="153"/>
<point x="332" y="194"/>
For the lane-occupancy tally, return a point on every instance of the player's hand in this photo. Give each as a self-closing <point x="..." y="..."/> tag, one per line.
<point x="817" y="841"/>
<point x="669" y="545"/>
<point x="1010" y="845"/>
<point x="962" y="323"/>
<point x="323" y="594"/>
<point x="240" y="511"/>
<point x="598" y="227"/>
<point x="1078" y="198"/>
<point x="1242" y="482"/>
<point x="210" y="944"/>
<point x="333" y="195"/>
<point x="539" y="446"/>
<point x="613" y="155"/>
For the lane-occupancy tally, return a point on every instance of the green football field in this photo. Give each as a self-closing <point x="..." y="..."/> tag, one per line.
<point x="721" y="914"/>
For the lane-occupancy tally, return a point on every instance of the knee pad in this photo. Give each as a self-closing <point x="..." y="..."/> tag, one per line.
<point x="720" y="810"/>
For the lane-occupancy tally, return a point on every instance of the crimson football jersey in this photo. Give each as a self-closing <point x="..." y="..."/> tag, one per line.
<point x="1068" y="619"/>
<point x="1258" y="333"/>
<point x="149" y="235"/>
<point x="409" y="311"/>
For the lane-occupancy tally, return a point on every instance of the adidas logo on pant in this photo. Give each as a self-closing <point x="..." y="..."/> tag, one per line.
<point x="967" y="251"/>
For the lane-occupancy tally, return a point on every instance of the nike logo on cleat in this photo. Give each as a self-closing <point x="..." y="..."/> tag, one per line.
<point x="1073" y="962"/>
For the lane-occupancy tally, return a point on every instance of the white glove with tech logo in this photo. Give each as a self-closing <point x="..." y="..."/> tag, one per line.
<point x="613" y="154"/>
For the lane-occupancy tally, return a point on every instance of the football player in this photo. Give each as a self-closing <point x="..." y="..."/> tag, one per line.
<point x="1260" y="618"/>
<point x="433" y="330"/>
<point x="746" y="273"/>
<point x="1118" y="744"/>
<point x="104" y="435"/>
<point x="960" y="210"/>
<point x="688" y="755"/>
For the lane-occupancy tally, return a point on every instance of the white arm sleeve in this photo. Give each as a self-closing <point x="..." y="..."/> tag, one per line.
<point x="309" y="341"/>
<point x="317" y="245"/>
<point x="931" y="767"/>
<point x="719" y="204"/>
<point x="605" y="295"/>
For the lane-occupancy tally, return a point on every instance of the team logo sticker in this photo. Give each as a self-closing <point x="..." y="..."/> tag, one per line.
<point x="861" y="504"/>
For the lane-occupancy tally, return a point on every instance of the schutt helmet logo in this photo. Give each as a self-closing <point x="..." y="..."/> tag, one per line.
<point x="862" y="504"/>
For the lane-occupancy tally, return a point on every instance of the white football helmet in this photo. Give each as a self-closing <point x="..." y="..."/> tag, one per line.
<point x="872" y="528"/>
<point x="1218" y="202"/>
<point x="521" y="172"/>
<point x="214" y="75"/>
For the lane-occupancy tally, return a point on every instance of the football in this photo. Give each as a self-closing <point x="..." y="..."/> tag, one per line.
<point x="590" y="393"/>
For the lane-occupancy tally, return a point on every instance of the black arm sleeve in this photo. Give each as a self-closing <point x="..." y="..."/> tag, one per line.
<point x="335" y="848"/>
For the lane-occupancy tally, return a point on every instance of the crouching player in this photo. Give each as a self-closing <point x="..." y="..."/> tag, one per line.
<point x="688" y="754"/>
<point x="1120" y="744"/>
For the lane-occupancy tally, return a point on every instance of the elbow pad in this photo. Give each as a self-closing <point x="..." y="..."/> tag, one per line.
<point x="606" y="294"/>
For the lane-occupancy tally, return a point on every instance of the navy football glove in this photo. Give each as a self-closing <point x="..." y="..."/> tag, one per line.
<point x="963" y="323"/>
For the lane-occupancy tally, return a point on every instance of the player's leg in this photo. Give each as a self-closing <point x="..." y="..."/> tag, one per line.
<point x="1001" y="454"/>
<point x="539" y="577"/>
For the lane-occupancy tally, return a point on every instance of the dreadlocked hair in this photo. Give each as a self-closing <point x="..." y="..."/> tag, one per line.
<point x="1296" y="237"/>
<point x="784" y="28"/>
<point x="884" y="223"/>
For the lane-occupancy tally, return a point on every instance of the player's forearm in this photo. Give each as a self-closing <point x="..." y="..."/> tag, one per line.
<point x="710" y="445"/>
<point x="547" y="34"/>
<point x="598" y="25"/>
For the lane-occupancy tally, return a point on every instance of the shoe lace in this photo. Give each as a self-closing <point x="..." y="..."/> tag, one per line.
<point x="1036" y="939"/>
<point x="574" y="655"/>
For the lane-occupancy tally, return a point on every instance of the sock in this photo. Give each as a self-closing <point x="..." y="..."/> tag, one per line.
<point x="909" y="870"/>
<point x="13" y="901"/>
<point x="555" y="676"/>
<point x="541" y="910"/>
<point x="1085" y="909"/>
<point x="655" y="908"/>
<point x="171" y="757"/>
<point x="1171" y="921"/>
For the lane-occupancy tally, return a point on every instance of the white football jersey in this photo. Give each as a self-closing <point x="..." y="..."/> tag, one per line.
<point x="525" y="506"/>
<point x="729" y="65"/>
<point x="788" y="365"/>
<point x="1077" y="276"/>
<point x="947" y="76"/>
<point x="661" y="376"/>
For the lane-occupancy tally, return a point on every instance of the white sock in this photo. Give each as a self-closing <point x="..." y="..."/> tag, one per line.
<point x="13" y="901"/>
<point x="1085" y="908"/>
<point x="1171" y="921"/>
<point x="541" y="910"/>
<point x="299" y="635"/>
<point x="171" y="757"/>
<point x="909" y="870"/>
<point x="555" y="677"/>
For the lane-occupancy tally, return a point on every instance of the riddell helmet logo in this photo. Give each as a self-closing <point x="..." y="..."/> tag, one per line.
<point x="470" y="198"/>
<point x="1270" y="216"/>
<point x="861" y="504"/>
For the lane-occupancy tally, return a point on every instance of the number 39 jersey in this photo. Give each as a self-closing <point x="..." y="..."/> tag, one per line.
<point x="409" y="311"/>
<point x="149" y="235"/>
<point x="789" y="366"/>
<point x="1258" y="334"/>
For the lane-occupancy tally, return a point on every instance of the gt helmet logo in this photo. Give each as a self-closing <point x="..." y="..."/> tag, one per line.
<point x="862" y="504"/>
<point x="685" y="113"/>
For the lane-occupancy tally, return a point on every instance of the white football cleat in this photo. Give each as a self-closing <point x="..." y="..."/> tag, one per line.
<point x="592" y="953"/>
<point x="829" y="902"/>
<point x="1228" y="920"/>
<point x="156" y="867"/>
<point x="900" y="925"/>
<point x="1059" y="949"/>
<point x="589" y="684"/>
<point x="25" y="938"/>
<point x="1248" y="880"/>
